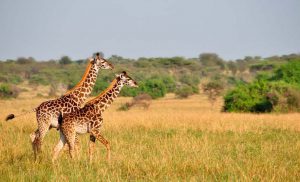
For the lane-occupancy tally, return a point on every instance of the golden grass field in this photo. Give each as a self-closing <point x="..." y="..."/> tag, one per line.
<point x="175" y="140"/>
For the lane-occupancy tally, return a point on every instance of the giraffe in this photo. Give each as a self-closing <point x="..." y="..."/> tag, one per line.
<point x="47" y="112"/>
<point x="89" y="118"/>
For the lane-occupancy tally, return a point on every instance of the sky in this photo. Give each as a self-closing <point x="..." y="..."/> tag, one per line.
<point x="148" y="28"/>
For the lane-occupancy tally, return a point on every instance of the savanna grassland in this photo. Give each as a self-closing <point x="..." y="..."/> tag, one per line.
<point x="175" y="140"/>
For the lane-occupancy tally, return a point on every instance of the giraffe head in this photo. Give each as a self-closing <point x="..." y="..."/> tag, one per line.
<point x="126" y="80"/>
<point x="101" y="63"/>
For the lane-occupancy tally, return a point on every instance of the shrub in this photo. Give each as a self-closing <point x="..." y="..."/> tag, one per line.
<point x="65" y="60"/>
<point x="143" y="100"/>
<point x="154" y="87"/>
<point x="99" y="87"/>
<point x="168" y="81"/>
<point x="213" y="89"/>
<point x="248" y="98"/>
<point x="124" y="107"/>
<point x="38" y="79"/>
<point x="184" y="91"/>
<point x="8" y="91"/>
<point x="263" y="96"/>
<point x="129" y="92"/>
<point x="289" y="72"/>
<point x="190" y="80"/>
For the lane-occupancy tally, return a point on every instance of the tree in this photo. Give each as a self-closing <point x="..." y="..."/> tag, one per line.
<point x="23" y="60"/>
<point x="232" y="67"/>
<point x="154" y="87"/>
<point x="213" y="89"/>
<point x="65" y="60"/>
<point x="211" y="59"/>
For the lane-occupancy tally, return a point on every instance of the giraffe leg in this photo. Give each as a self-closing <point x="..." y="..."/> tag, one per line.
<point x="96" y="133"/>
<point x="33" y="135"/>
<point x="77" y="144"/>
<point x="59" y="147"/>
<point x="38" y="140"/>
<point x="91" y="147"/>
<point x="70" y="135"/>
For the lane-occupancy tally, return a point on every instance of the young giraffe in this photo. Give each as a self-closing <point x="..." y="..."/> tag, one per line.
<point x="89" y="118"/>
<point x="47" y="113"/>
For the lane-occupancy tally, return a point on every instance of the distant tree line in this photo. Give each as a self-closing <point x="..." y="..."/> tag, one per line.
<point x="156" y="76"/>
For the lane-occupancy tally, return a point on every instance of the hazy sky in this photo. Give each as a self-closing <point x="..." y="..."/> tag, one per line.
<point x="148" y="28"/>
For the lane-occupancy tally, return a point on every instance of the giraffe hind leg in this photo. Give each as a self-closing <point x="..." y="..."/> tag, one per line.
<point x="39" y="136"/>
<point x="70" y="136"/>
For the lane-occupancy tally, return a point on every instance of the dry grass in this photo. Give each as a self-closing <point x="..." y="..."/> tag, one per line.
<point x="174" y="140"/>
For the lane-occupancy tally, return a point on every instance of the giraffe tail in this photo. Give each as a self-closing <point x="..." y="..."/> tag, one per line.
<point x="60" y="120"/>
<point x="12" y="116"/>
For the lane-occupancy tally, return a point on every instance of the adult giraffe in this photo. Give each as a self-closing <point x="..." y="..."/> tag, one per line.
<point x="47" y="112"/>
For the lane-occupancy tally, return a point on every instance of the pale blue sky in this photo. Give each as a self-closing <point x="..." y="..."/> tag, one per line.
<point x="148" y="28"/>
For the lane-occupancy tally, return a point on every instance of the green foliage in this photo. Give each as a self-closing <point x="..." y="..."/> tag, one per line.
<point x="124" y="107"/>
<point x="289" y="72"/>
<point x="176" y="73"/>
<point x="190" y="80"/>
<point x="168" y="81"/>
<point x="65" y="60"/>
<point x="129" y="92"/>
<point x="8" y="91"/>
<point x="266" y="93"/>
<point x="23" y="60"/>
<point x="184" y="91"/>
<point x="99" y="87"/>
<point x="211" y="59"/>
<point x="154" y="87"/>
<point x="213" y="89"/>
<point x="11" y="78"/>
<point x="38" y="79"/>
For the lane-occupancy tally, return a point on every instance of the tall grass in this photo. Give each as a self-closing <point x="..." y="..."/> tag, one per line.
<point x="175" y="140"/>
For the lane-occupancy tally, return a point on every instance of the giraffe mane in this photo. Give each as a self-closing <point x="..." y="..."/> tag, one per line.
<point x="82" y="79"/>
<point x="104" y="92"/>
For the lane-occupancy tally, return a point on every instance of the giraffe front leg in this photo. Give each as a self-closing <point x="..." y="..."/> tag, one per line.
<point x="59" y="147"/>
<point x="77" y="144"/>
<point x="33" y="135"/>
<point x="91" y="147"/>
<point x="70" y="139"/>
<point x="99" y="137"/>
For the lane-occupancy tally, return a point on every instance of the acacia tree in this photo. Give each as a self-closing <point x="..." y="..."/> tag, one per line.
<point x="213" y="89"/>
<point x="65" y="60"/>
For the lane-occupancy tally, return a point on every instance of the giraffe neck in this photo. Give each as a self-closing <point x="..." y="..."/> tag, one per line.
<point x="106" y="98"/>
<point x="84" y="88"/>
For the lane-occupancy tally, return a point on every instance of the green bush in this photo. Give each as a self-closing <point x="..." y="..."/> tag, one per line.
<point x="184" y="91"/>
<point x="99" y="87"/>
<point x="154" y="87"/>
<point x="8" y="91"/>
<point x="39" y="79"/>
<point x="263" y="96"/>
<point x="168" y="81"/>
<point x="11" y="78"/>
<point x="191" y="80"/>
<point x="129" y="92"/>
<point x="289" y="72"/>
